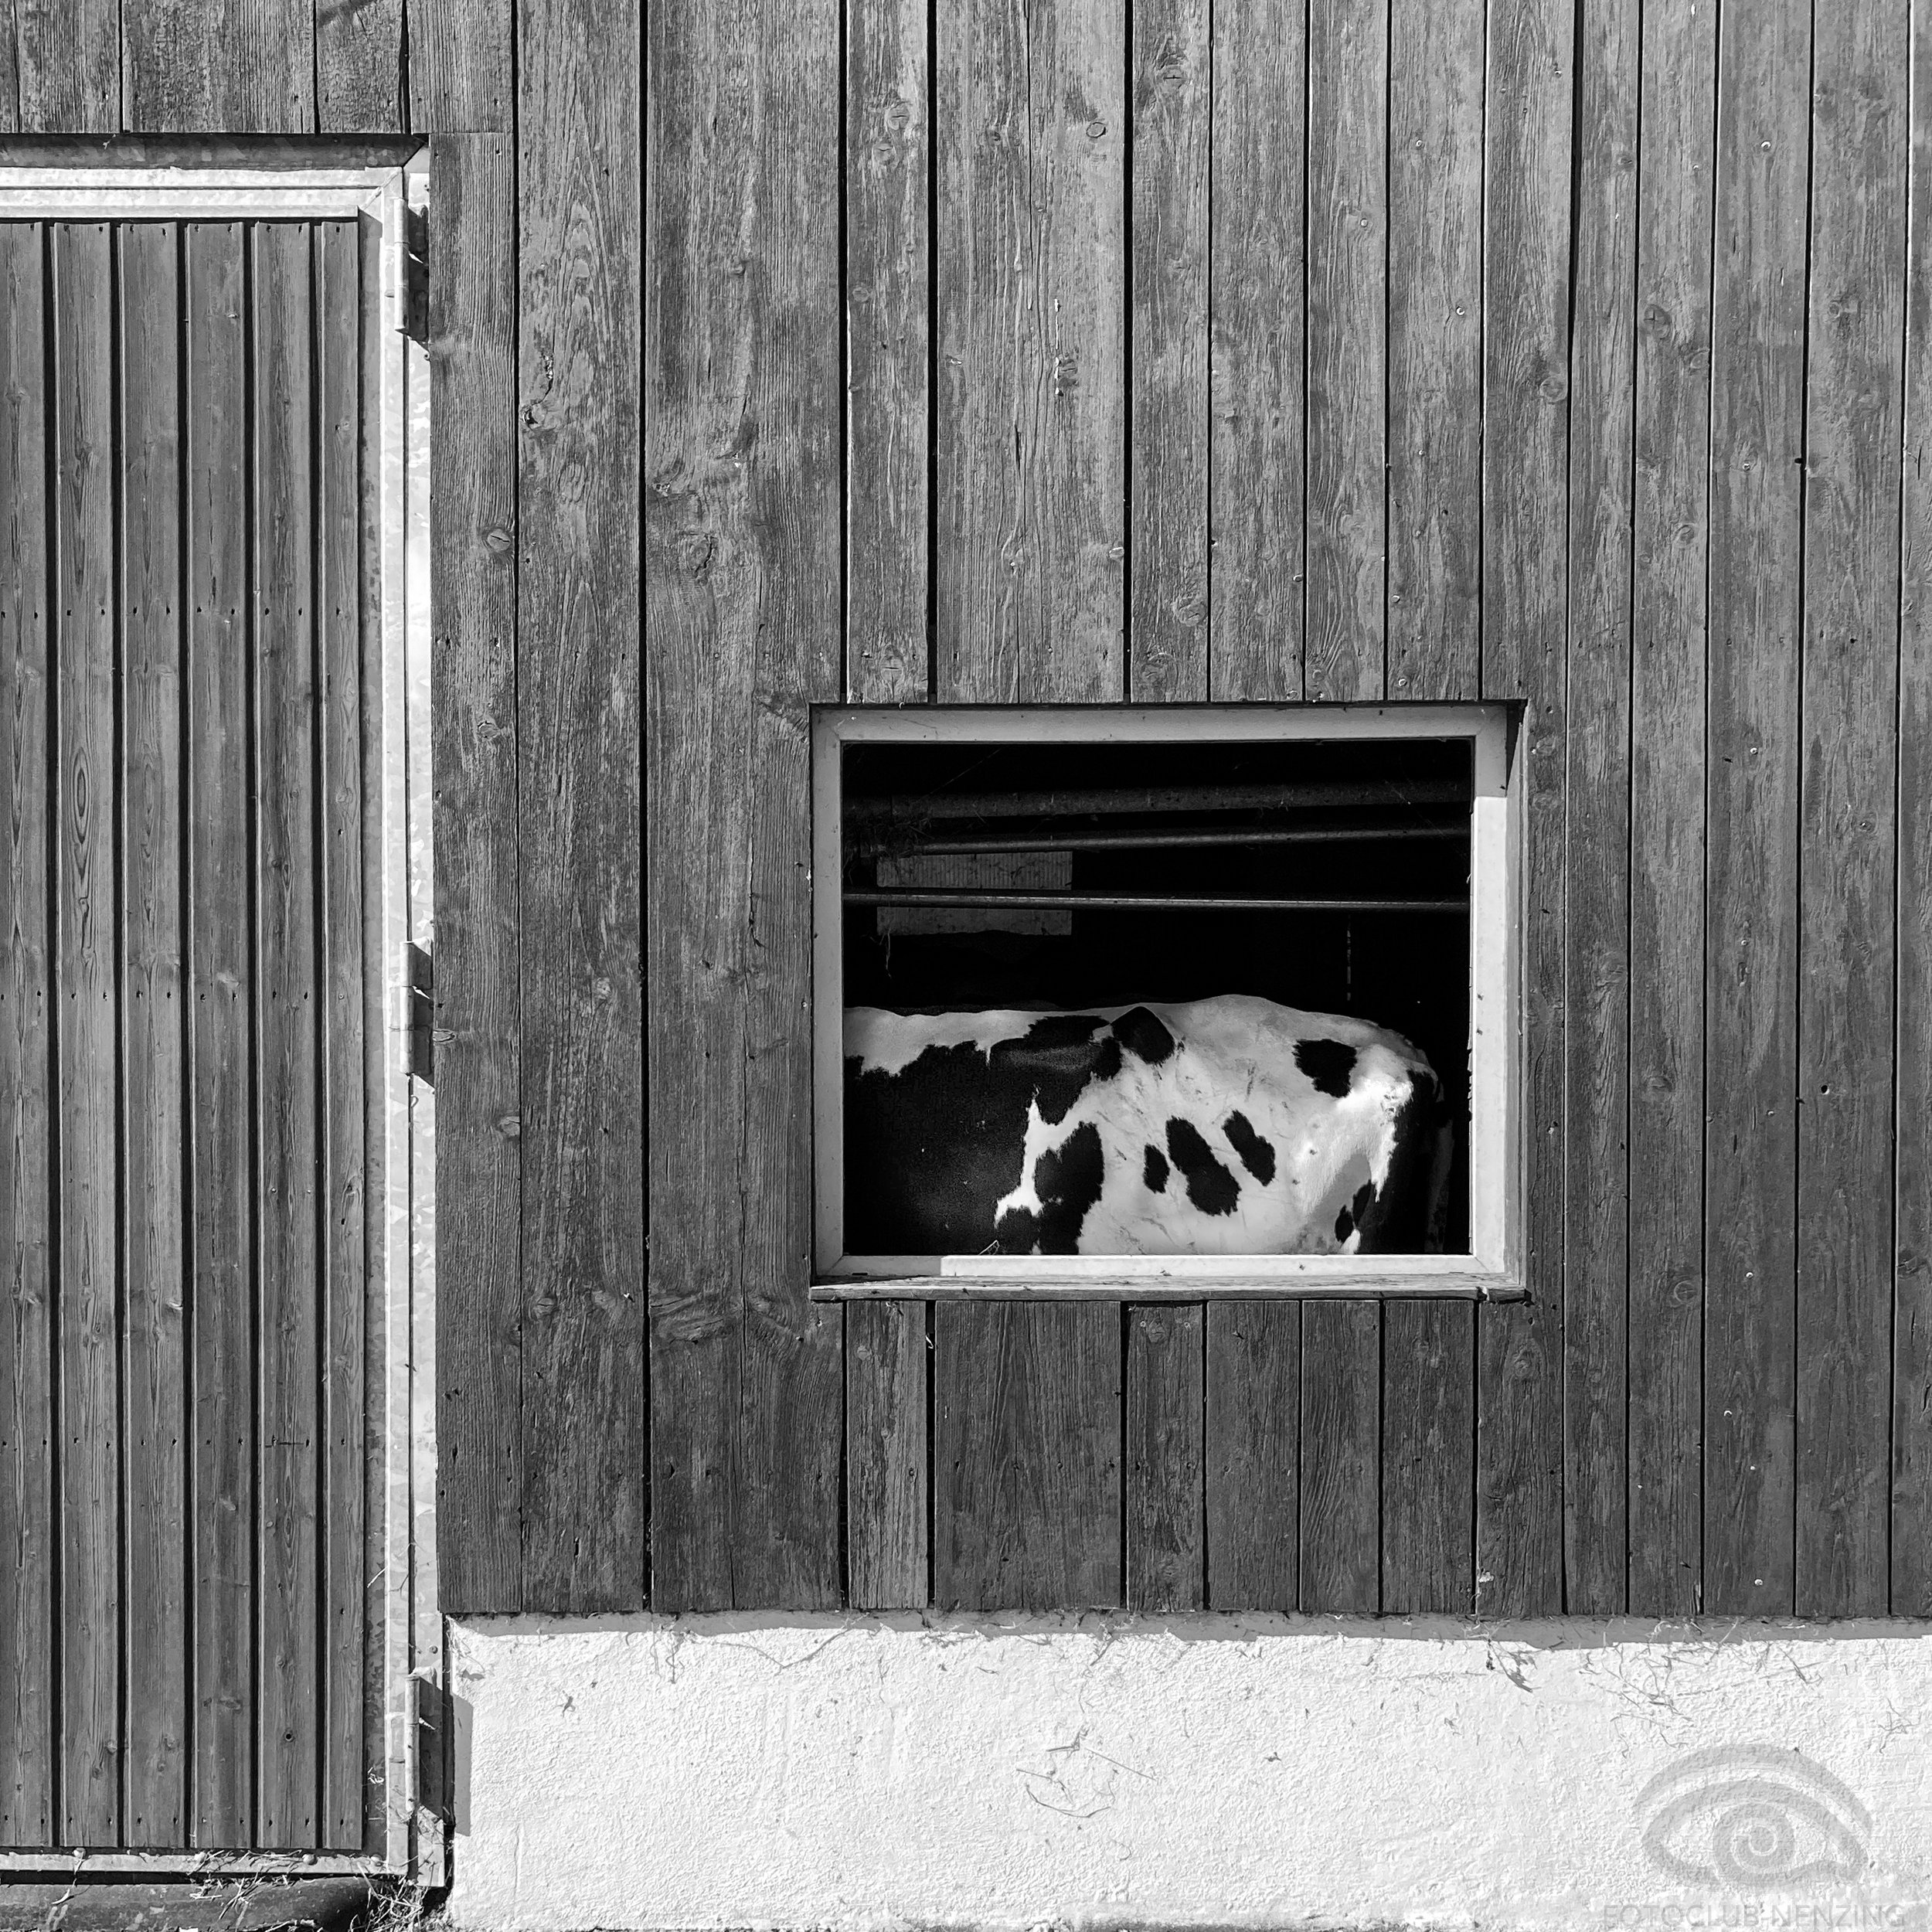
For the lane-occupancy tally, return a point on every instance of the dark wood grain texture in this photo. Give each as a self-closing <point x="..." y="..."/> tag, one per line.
<point x="1669" y="635"/>
<point x="220" y="987"/>
<point x="887" y="342"/>
<point x="86" y="958"/>
<point x="1527" y="136"/>
<point x="1341" y="1501"/>
<point x="1757" y="440"/>
<point x="218" y="66"/>
<point x="358" y="67"/>
<point x="1427" y="1455"/>
<point x="1031" y="406"/>
<point x="66" y="66"/>
<point x="1347" y="275"/>
<point x="154" y="1029"/>
<point x="27" y="1444"/>
<point x="1848" y="855"/>
<point x="1597" y="829"/>
<point x="1026" y="1456"/>
<point x="887" y="1455"/>
<point x="1171" y="56"/>
<point x="579" y="899"/>
<point x="1435" y="347"/>
<point x="472" y="485"/>
<point x="1256" y="336"/>
<point x="1253" y="1438"/>
<point x="1912" y="1262"/>
<point x="460" y="67"/>
<point x="1166" y="1418"/>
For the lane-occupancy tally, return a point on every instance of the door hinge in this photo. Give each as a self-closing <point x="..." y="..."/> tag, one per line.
<point x="416" y="1012"/>
<point x="416" y="274"/>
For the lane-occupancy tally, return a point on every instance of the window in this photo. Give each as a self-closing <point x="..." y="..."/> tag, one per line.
<point x="1164" y="1000"/>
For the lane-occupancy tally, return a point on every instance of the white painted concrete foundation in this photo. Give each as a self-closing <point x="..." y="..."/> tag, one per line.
<point x="1263" y="1771"/>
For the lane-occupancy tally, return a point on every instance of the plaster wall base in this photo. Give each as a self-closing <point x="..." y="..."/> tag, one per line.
<point x="1254" y="1771"/>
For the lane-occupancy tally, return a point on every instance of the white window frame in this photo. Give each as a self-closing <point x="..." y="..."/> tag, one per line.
<point x="402" y="1223"/>
<point x="1490" y="1270"/>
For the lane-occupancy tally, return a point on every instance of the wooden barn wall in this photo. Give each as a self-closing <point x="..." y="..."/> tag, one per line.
<point x="1206" y="349"/>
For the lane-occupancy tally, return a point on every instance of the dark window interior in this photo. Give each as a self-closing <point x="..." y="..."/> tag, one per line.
<point x="990" y="836"/>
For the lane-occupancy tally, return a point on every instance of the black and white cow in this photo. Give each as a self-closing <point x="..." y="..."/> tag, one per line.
<point x="1222" y="1126"/>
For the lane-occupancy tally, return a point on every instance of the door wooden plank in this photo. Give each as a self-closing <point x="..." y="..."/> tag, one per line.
<point x="888" y="1452"/>
<point x="888" y="325"/>
<point x="287" y="1076"/>
<point x="1428" y="1456"/>
<point x="221" y="980"/>
<point x="583" y="1164"/>
<point x="460" y="67"/>
<point x="1171" y="55"/>
<point x="479" y="1083"/>
<point x="1166" y="1526"/>
<point x="154" y="1027"/>
<point x="1348" y="382"/>
<point x="1435" y="347"/>
<point x="66" y="62"/>
<point x="85" y="966"/>
<point x="345" y="1256"/>
<point x="358" y="69"/>
<point x="1256" y="328"/>
<point x="1912" y="1331"/>
<point x="1340" y="1504"/>
<point x="1597" y="834"/>
<point x="1253" y="1436"/>
<point x="219" y="67"/>
<point x="1757" y="429"/>
<point x="1026" y="1457"/>
<point x="1671" y="503"/>
<point x="1526" y="166"/>
<point x="27" y="1445"/>
<point x="1849" y="846"/>
<point x="1031" y="406"/>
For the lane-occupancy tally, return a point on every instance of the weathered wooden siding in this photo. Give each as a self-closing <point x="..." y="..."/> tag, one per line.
<point x="1471" y="348"/>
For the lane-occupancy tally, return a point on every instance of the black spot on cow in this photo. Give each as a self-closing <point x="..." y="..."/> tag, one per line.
<point x="1068" y="1180"/>
<point x="1143" y="1035"/>
<point x="1154" y="1170"/>
<point x="1328" y="1063"/>
<point x="1350" y="1218"/>
<point x="1210" y="1186"/>
<point x="1257" y="1155"/>
<point x="1058" y="1056"/>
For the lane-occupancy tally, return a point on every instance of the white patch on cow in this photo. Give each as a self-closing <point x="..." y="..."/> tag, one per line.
<point x="888" y="1043"/>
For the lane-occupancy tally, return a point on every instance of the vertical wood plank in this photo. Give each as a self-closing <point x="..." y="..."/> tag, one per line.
<point x="1031" y="406"/>
<point x="1428" y="1456"/>
<point x="1168" y="631"/>
<point x="339" y="618"/>
<point x="888" y="339"/>
<point x="1340" y="1503"/>
<point x="887" y="1455"/>
<point x="155" y="1180"/>
<point x="1849" y="853"/>
<point x="1348" y="279"/>
<point x="472" y="485"/>
<point x="1526" y="164"/>
<point x="28" y="1449"/>
<point x="359" y="68"/>
<point x="1026" y="1459"/>
<point x="221" y="980"/>
<point x="1672" y="510"/>
<point x="1256" y="334"/>
<point x="287" y="1073"/>
<point x="1758" y="429"/>
<point x="67" y="66"/>
<point x="460" y="67"/>
<point x="219" y="67"/>
<point x="1435" y="347"/>
<point x="1912" y="1334"/>
<point x="1597" y="842"/>
<point x="1166" y="1525"/>
<point x="86" y="970"/>
<point x="1252" y="1454"/>
<point x="579" y="889"/>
